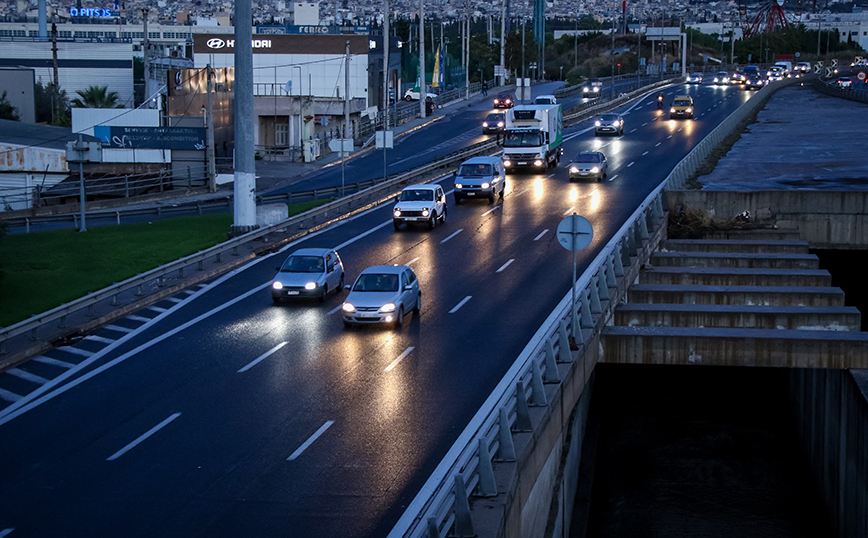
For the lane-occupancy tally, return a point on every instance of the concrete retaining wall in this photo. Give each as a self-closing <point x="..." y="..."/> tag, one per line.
<point x="825" y="219"/>
<point x="830" y="408"/>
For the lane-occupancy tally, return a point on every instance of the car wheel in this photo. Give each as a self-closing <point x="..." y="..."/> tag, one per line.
<point x="399" y="319"/>
<point x="325" y="292"/>
<point x="596" y="133"/>
<point x="443" y="216"/>
<point x="491" y="197"/>
<point x="408" y="98"/>
<point x="418" y="308"/>
<point x="397" y="225"/>
<point x="605" y="176"/>
<point x="502" y="192"/>
<point x="431" y="222"/>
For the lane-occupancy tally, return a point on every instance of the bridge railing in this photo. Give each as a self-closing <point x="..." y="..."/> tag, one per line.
<point x="442" y="507"/>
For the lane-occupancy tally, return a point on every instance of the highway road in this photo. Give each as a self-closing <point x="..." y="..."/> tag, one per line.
<point x="220" y="414"/>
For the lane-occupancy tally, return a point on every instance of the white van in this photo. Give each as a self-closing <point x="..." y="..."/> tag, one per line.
<point x="545" y="100"/>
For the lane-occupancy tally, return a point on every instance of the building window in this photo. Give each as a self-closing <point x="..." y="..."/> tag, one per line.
<point x="64" y="33"/>
<point x="281" y="134"/>
<point x="19" y="33"/>
<point x="153" y="35"/>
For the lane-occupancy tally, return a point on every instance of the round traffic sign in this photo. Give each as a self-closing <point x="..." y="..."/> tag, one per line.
<point x="861" y="75"/>
<point x="575" y="232"/>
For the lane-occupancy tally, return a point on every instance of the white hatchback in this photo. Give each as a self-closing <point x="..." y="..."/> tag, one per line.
<point x="382" y="294"/>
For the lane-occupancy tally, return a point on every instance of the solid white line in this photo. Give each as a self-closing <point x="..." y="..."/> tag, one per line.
<point x="75" y="351"/>
<point x="335" y="309"/>
<point x="399" y="359"/>
<point x="631" y="164"/>
<point x="646" y="153"/>
<point x="458" y="231"/>
<point x="5" y="532"/>
<point x="27" y="376"/>
<point x="658" y="143"/>
<point x="101" y="339"/>
<point x="570" y="210"/>
<point x="414" y="260"/>
<point x="459" y="305"/>
<point x="492" y="210"/>
<point x="310" y="441"/>
<point x="142" y="437"/>
<point x="54" y="362"/>
<point x="504" y="266"/>
<point x="9" y="396"/>
<point x="175" y="299"/>
<point x="143" y="319"/>
<point x="613" y="177"/>
<point x="118" y="328"/>
<point x="537" y="238"/>
<point x="262" y="357"/>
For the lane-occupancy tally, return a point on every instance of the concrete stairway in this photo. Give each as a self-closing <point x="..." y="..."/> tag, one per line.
<point x="753" y="298"/>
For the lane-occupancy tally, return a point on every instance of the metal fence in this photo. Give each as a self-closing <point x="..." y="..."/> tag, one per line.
<point x="857" y="91"/>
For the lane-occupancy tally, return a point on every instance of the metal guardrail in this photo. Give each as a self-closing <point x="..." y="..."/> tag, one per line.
<point x="858" y="91"/>
<point x="442" y="507"/>
<point x="315" y="218"/>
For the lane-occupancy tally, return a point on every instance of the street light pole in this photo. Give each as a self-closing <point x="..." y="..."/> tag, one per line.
<point x="423" y="91"/>
<point x="613" y="58"/>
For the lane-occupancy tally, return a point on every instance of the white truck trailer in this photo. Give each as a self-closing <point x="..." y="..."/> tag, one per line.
<point x="533" y="137"/>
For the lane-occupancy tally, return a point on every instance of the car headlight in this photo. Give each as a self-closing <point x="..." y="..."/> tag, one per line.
<point x="496" y="102"/>
<point x="388" y="307"/>
<point x="595" y="170"/>
<point x="585" y="89"/>
<point x="277" y="285"/>
<point x="597" y="123"/>
<point x="397" y="212"/>
<point x="500" y="124"/>
<point x="425" y="211"/>
<point x="310" y="286"/>
<point x="486" y="185"/>
<point x="616" y="123"/>
<point x="507" y="163"/>
<point x="574" y="169"/>
<point x="689" y="110"/>
<point x="459" y="186"/>
<point x="347" y="307"/>
<point x="538" y="162"/>
<point x="485" y="124"/>
<point x="672" y="110"/>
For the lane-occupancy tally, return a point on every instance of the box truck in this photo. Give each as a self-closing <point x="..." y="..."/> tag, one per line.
<point x="533" y="137"/>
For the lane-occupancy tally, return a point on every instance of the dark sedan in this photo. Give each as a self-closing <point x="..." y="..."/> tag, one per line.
<point x="494" y="123"/>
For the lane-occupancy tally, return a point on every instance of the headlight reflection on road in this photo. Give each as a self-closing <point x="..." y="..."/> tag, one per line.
<point x="595" y="200"/>
<point x="538" y="188"/>
<point x="574" y="194"/>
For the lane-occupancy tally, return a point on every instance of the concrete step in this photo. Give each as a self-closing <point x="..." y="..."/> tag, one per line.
<point x="735" y="259"/>
<point x="760" y="234"/>
<point x="734" y="347"/>
<point x="721" y="245"/>
<point x="737" y="295"/>
<point x="822" y="318"/>
<point x="712" y="276"/>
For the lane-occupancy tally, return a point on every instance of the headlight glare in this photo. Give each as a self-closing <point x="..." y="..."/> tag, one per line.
<point x="574" y="169"/>
<point x="277" y="285"/>
<point x="485" y="124"/>
<point x="538" y="162"/>
<point x="459" y="186"/>
<point x="388" y="307"/>
<point x="595" y="170"/>
<point x="597" y="123"/>
<point x="310" y="286"/>
<point x="425" y="212"/>
<point x="507" y="163"/>
<point x="672" y="110"/>
<point x="486" y="185"/>
<point x="397" y="212"/>
<point x="347" y="307"/>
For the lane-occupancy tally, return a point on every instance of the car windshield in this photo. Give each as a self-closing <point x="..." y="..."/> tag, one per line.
<point x="681" y="102"/>
<point x="542" y="101"/>
<point x="504" y="96"/>
<point x="587" y="158"/>
<point x="523" y="140"/>
<point x="417" y="195"/>
<point x="303" y="264"/>
<point x="596" y="83"/>
<point x="609" y="117"/>
<point x="376" y="282"/>
<point x="468" y="170"/>
<point x="495" y="117"/>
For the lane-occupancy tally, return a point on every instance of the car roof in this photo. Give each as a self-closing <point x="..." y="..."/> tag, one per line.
<point x="423" y="187"/>
<point x="496" y="114"/>
<point x="504" y="94"/>
<point x="682" y="97"/>
<point x="482" y="160"/>
<point x="385" y="269"/>
<point x="311" y="252"/>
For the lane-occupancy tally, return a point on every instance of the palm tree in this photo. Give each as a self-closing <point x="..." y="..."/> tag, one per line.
<point x="96" y="97"/>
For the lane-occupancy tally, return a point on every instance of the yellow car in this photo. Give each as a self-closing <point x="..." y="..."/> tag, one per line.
<point x="682" y="107"/>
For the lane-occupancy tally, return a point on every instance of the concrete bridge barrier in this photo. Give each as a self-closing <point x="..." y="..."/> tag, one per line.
<point x="832" y="318"/>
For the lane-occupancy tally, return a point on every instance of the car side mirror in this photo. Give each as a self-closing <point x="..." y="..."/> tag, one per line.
<point x="408" y="287"/>
<point x="346" y="287"/>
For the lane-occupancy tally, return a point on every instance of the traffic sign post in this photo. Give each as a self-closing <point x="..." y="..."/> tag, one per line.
<point x="828" y="72"/>
<point x="861" y="76"/>
<point x="574" y="233"/>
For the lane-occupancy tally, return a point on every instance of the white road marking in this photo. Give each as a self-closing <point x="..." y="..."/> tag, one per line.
<point x="504" y="266"/>
<point x="537" y="238"/>
<point x="262" y="357"/>
<point x="613" y="177"/>
<point x="644" y="124"/>
<point x="631" y="164"/>
<point x="159" y="309"/>
<point x="492" y="210"/>
<point x="9" y="396"/>
<point x="570" y="210"/>
<point x="657" y="144"/>
<point x="668" y="137"/>
<point x="401" y="357"/>
<point x="5" y="532"/>
<point x="456" y="232"/>
<point x="174" y="299"/>
<point x="646" y="153"/>
<point x="679" y="130"/>
<point x="27" y="376"/>
<point x="519" y="193"/>
<point x="189" y="292"/>
<point x="633" y="131"/>
<point x="143" y="319"/>
<point x="75" y="351"/>
<point x="310" y="440"/>
<point x="118" y="328"/>
<point x="459" y="305"/>
<point x="414" y="260"/>
<point x="54" y="362"/>
<point x="335" y="309"/>
<point x="142" y="437"/>
<point x="101" y="339"/>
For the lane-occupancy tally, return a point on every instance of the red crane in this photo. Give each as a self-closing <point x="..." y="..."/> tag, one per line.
<point x="769" y="18"/>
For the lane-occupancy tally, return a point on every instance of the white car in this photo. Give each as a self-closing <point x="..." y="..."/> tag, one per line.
<point x="545" y="100"/>
<point x="694" y="78"/>
<point x="382" y="294"/>
<point x="308" y="272"/>
<point x="413" y="94"/>
<point x="420" y="203"/>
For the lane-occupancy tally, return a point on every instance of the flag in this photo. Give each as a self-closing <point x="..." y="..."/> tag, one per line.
<point x="435" y="77"/>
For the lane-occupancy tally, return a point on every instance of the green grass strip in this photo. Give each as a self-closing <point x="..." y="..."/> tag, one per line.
<point x="44" y="270"/>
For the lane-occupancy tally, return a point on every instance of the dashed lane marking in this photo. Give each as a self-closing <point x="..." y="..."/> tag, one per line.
<point x="27" y="376"/>
<point x="537" y="238"/>
<point x="54" y="362"/>
<point x="143" y="319"/>
<point x="310" y="440"/>
<point x="504" y="266"/>
<point x="401" y="357"/>
<point x="459" y="305"/>
<point x="118" y="328"/>
<point x="458" y="231"/>
<point x="262" y="357"/>
<point x="142" y="437"/>
<point x="100" y="339"/>
<point x="75" y="351"/>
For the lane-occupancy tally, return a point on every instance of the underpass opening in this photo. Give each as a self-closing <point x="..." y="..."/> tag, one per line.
<point x="847" y="268"/>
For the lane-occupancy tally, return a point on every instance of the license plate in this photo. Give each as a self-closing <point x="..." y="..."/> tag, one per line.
<point x="292" y="293"/>
<point x="471" y="194"/>
<point x="367" y="315"/>
<point x="521" y="164"/>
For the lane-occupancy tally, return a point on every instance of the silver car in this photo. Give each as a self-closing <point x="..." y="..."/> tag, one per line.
<point x="589" y="164"/>
<point x="308" y="272"/>
<point x="609" y="124"/>
<point x="382" y="294"/>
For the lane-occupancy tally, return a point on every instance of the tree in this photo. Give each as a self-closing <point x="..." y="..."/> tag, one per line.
<point x="96" y="97"/>
<point x="52" y="104"/>
<point x="7" y="111"/>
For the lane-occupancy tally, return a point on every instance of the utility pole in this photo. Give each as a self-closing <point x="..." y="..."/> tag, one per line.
<point x="467" y="62"/>
<point x="55" y="91"/>
<point x="423" y="91"/>
<point x="347" y="114"/>
<point x="209" y="132"/>
<point x="244" y="215"/>
<point x="613" y="58"/>
<point x="523" y="77"/>
<point x="500" y="79"/>
<point x="386" y="83"/>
